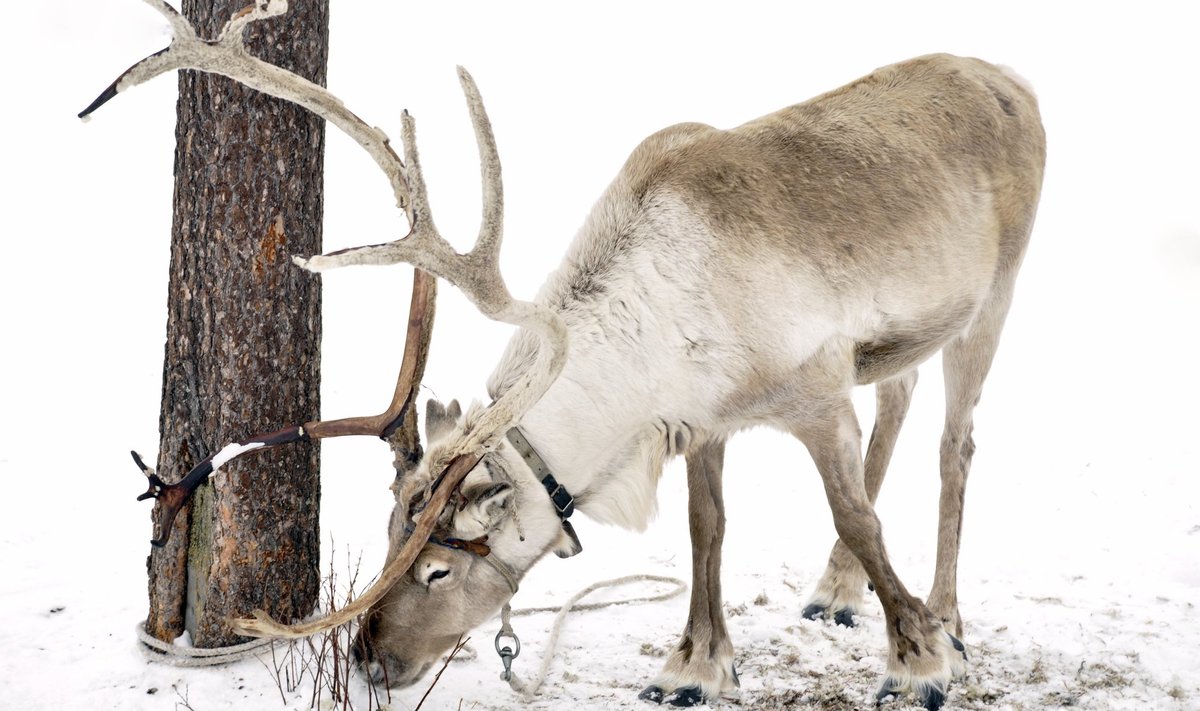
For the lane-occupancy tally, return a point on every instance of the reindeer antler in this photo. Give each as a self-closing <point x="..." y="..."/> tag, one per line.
<point x="172" y="497"/>
<point x="476" y="273"/>
<point x="227" y="55"/>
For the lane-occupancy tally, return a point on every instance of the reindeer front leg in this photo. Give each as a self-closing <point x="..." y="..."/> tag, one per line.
<point x="701" y="665"/>
<point x="839" y="592"/>
<point x="922" y="657"/>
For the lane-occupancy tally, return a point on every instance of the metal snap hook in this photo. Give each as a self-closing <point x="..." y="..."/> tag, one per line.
<point x="507" y="653"/>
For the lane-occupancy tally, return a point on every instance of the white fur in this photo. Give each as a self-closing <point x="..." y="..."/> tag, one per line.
<point x="936" y="672"/>
<point x="522" y="525"/>
<point x="713" y="674"/>
<point x="616" y="365"/>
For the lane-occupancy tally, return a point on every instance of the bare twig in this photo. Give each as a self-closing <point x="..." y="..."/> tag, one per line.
<point x="454" y="652"/>
<point x="182" y="698"/>
<point x="279" y="678"/>
<point x="327" y="657"/>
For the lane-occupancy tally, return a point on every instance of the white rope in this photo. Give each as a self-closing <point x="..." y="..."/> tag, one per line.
<point x="156" y="650"/>
<point x="529" y="689"/>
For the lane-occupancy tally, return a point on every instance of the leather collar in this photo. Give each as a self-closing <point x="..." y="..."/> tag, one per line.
<point x="564" y="503"/>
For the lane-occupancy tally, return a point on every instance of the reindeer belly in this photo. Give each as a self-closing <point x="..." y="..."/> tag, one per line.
<point x="906" y="345"/>
<point x="915" y="312"/>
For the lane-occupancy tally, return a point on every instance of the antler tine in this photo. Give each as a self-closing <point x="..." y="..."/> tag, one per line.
<point x="423" y="246"/>
<point x="422" y="227"/>
<point x="179" y="24"/>
<point x="261" y="10"/>
<point x="476" y="273"/>
<point x="228" y="56"/>
<point x="420" y="316"/>
<point x="491" y="225"/>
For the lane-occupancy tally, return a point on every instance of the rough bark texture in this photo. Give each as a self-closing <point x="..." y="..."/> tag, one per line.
<point x="243" y="337"/>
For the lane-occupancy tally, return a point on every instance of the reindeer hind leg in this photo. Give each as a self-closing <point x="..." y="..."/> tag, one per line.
<point x="922" y="657"/>
<point x="965" y="362"/>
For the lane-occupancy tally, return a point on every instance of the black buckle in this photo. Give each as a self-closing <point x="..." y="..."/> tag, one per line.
<point x="563" y="501"/>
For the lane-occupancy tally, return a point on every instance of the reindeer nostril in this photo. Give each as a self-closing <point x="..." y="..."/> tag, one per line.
<point x="375" y="672"/>
<point x="362" y="650"/>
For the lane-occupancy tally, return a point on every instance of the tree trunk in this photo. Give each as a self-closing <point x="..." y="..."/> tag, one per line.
<point x="243" y="337"/>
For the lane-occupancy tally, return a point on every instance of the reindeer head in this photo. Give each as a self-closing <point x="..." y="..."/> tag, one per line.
<point x="501" y="522"/>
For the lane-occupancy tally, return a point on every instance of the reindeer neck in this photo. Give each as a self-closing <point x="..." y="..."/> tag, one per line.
<point x="607" y="425"/>
<point x="641" y="362"/>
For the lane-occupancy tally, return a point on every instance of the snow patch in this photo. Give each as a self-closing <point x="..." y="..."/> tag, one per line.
<point x="232" y="450"/>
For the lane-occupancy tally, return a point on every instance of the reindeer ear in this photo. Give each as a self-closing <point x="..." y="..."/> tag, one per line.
<point x="439" y="420"/>
<point x="568" y="543"/>
<point x="476" y="517"/>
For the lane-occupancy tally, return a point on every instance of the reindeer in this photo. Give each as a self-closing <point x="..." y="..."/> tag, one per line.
<point x="725" y="279"/>
<point x="747" y="277"/>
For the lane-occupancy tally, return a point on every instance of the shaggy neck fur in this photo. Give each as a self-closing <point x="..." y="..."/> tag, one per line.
<point x="639" y="374"/>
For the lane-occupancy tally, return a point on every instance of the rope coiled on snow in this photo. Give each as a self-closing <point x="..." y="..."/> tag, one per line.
<point x="530" y="688"/>
<point x="156" y="650"/>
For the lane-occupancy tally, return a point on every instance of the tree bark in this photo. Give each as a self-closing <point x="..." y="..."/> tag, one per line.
<point x="243" y="337"/>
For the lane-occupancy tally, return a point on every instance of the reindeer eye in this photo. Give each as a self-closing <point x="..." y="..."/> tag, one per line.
<point x="431" y="571"/>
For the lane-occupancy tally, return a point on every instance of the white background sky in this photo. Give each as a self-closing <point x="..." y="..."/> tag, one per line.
<point x="1087" y="445"/>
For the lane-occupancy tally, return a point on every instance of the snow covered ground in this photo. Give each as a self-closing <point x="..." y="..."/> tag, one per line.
<point x="1080" y="575"/>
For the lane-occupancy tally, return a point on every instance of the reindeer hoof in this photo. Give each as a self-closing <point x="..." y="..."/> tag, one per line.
<point x="682" y="697"/>
<point x="686" y="696"/>
<point x="843" y="617"/>
<point x="930" y="698"/>
<point x="958" y="646"/>
<point x="957" y="669"/>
